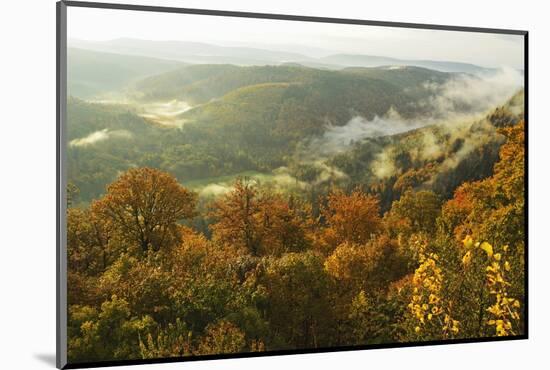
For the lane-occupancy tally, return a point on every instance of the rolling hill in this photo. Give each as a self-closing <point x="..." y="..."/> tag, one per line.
<point x="91" y="73"/>
<point x="201" y="83"/>
<point x="246" y="118"/>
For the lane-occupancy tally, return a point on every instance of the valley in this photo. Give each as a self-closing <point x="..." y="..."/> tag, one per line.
<point x="208" y="124"/>
<point x="238" y="199"/>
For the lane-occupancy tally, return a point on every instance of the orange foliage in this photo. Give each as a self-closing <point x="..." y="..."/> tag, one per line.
<point x="262" y="224"/>
<point x="144" y="205"/>
<point x="352" y="218"/>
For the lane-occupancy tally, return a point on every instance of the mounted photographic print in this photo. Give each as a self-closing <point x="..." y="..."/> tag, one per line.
<point x="239" y="184"/>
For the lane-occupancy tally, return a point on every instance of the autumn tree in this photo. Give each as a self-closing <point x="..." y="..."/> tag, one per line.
<point x="88" y="254"/>
<point x="493" y="209"/>
<point x="87" y="242"/>
<point x="362" y="275"/>
<point x="492" y="212"/>
<point x="144" y="206"/>
<point x="235" y="216"/>
<point x="454" y="213"/>
<point x="205" y="281"/>
<point x="259" y="222"/>
<point x="174" y="340"/>
<point x="222" y="337"/>
<point x="351" y="218"/>
<point x="282" y="226"/>
<point x="142" y="282"/>
<point x="272" y="276"/>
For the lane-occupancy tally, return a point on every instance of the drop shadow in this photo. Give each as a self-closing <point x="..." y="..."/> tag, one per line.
<point x="46" y="358"/>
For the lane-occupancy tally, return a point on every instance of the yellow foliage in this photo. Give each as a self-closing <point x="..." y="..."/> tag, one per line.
<point x="488" y="248"/>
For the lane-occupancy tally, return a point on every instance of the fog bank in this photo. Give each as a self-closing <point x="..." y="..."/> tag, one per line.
<point x="99" y="136"/>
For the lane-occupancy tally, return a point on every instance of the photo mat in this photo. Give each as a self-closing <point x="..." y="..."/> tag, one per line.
<point x="237" y="184"/>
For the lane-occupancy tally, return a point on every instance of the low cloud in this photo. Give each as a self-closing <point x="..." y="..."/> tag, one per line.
<point x="165" y="113"/>
<point x="283" y="178"/>
<point x="470" y="141"/>
<point x="327" y="173"/>
<point x="99" y="136"/>
<point x="338" y="139"/>
<point x="280" y="179"/>
<point x="215" y="189"/>
<point x="462" y="98"/>
<point x="452" y="106"/>
<point x="384" y="166"/>
<point x="472" y="94"/>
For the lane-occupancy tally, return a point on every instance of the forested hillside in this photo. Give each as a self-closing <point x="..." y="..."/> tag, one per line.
<point x="227" y="208"/>
<point x="259" y="118"/>
<point x="202" y="82"/>
<point x="275" y="276"/>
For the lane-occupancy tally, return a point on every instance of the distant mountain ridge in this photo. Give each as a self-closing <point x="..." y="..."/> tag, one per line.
<point x="205" y="53"/>
<point x="377" y="61"/>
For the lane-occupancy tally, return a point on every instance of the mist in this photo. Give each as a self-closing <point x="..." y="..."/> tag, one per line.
<point x="338" y="139"/>
<point x="470" y="95"/>
<point x="99" y="136"/>
<point x="165" y="113"/>
<point x="279" y="179"/>
<point x="215" y="189"/>
<point x="383" y="165"/>
<point x="461" y="99"/>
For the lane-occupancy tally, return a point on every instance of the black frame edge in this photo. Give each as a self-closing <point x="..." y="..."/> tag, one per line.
<point x="112" y="363"/>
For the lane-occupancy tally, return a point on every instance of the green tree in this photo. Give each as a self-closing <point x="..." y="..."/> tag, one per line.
<point x="296" y="290"/>
<point x="420" y="209"/>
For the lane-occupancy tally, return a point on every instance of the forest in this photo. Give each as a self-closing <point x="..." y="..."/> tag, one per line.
<point x="216" y="209"/>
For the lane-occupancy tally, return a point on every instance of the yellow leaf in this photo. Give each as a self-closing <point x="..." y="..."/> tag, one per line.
<point x="468" y="242"/>
<point x="488" y="248"/>
<point x="467" y="258"/>
<point x="507" y="266"/>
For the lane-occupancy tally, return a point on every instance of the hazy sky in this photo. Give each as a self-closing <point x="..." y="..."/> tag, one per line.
<point x="309" y="38"/>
